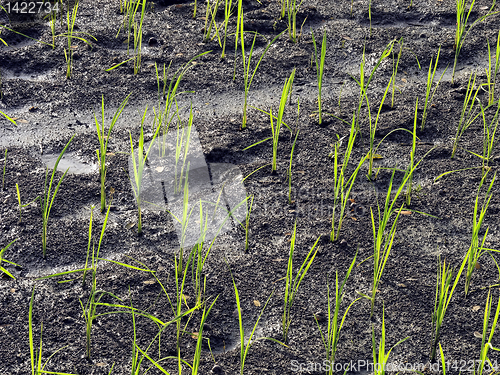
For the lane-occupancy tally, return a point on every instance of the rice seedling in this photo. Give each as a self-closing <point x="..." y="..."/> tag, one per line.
<point x="343" y="186"/>
<point x="138" y="39"/>
<point x="361" y="82"/>
<point x="247" y="222"/>
<point x="36" y="358"/>
<point x="244" y="348"/>
<point x="333" y="333"/>
<point x="443" y="361"/>
<point x="180" y="266"/>
<point x="373" y="129"/>
<point x="410" y="169"/>
<point x="484" y="364"/>
<point x="93" y="257"/>
<point x="69" y="35"/>
<point x="492" y="71"/>
<point x="463" y="28"/>
<point x="197" y="354"/>
<point x="247" y="78"/>
<point x="89" y="310"/>
<point x="2" y="259"/>
<point x="320" y="66"/>
<point x="239" y="25"/>
<point x="489" y="133"/>
<point x="292" y="10"/>
<point x="138" y="167"/>
<point x="469" y="113"/>
<point x="134" y="29"/>
<point x="380" y="357"/>
<point x="103" y="145"/>
<point x="165" y="74"/>
<point x="383" y="234"/>
<point x="136" y="361"/>
<point x="136" y="350"/>
<point x="383" y="241"/>
<point x="197" y="257"/>
<point x="52" y="22"/>
<point x="246" y="225"/>
<point x="46" y="201"/>
<point x="68" y="54"/>
<point x="182" y="141"/>
<point x="26" y="36"/>
<point x="292" y="284"/>
<point x="227" y="13"/>
<point x="124" y="5"/>
<point x="275" y="130"/>
<point x="477" y="249"/>
<point x="211" y="12"/>
<point x="290" y="168"/>
<point x="441" y="301"/>
<point x="430" y="82"/>
<point x="4" y="166"/>
<point x="370" y="15"/>
<point x="395" y="66"/>
<point x="165" y="116"/>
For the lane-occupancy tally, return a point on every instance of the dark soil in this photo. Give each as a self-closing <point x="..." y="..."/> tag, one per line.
<point x="49" y="109"/>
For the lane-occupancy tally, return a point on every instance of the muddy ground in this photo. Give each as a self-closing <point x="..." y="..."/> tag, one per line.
<point x="49" y="109"/>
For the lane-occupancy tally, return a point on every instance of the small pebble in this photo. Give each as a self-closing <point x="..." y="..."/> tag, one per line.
<point x="320" y="316"/>
<point x="216" y="369"/>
